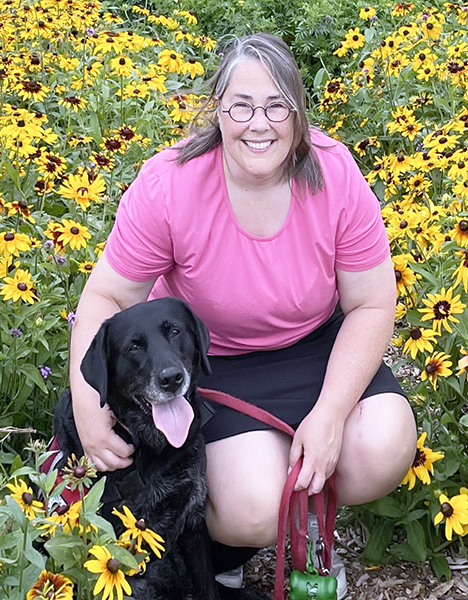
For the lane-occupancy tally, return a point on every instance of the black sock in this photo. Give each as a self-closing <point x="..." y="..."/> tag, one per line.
<point x="226" y="558"/>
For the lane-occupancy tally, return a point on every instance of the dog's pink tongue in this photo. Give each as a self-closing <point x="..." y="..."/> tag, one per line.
<point x="174" y="419"/>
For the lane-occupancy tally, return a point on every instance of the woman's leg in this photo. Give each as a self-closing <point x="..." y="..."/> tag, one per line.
<point x="246" y="473"/>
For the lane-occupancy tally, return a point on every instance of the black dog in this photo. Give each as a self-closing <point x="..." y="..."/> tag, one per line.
<point x="144" y="362"/>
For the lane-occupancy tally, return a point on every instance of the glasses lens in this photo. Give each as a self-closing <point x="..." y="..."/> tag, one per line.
<point x="277" y="111"/>
<point x="241" y="111"/>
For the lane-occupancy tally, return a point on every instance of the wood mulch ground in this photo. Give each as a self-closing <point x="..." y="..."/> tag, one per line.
<point x="392" y="582"/>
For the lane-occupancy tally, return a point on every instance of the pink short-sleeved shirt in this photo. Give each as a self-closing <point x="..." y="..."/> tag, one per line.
<point x="175" y="223"/>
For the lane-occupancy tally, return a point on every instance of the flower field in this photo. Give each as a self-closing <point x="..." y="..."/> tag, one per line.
<point x="86" y="96"/>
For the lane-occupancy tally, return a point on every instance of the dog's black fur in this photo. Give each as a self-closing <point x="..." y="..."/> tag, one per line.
<point x="150" y="353"/>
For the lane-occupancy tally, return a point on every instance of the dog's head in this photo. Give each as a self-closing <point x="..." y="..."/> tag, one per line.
<point x="144" y="362"/>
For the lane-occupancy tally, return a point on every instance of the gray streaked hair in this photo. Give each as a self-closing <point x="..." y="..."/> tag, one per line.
<point x="301" y="164"/>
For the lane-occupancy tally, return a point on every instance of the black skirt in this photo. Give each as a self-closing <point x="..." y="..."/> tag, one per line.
<point x="285" y="382"/>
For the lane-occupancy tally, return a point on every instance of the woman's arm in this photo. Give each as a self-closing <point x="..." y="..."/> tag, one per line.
<point x="367" y="299"/>
<point x="105" y="294"/>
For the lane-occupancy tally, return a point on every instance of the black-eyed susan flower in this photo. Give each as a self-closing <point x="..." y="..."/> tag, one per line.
<point x="122" y="65"/>
<point x="188" y="16"/>
<point x="13" y="242"/>
<point x="65" y="518"/>
<point x="111" y="577"/>
<point x="74" y="102"/>
<point x="455" y="513"/>
<point x="32" y="89"/>
<point x="419" y="340"/>
<point x="83" y="191"/>
<point x="20" y="207"/>
<point x="460" y="232"/>
<point x="23" y="496"/>
<point x="79" y="470"/>
<point x="86" y="267"/>
<point x="405" y="277"/>
<point x="437" y="365"/>
<point x="51" y="586"/>
<point x="354" y="39"/>
<point x="422" y="467"/>
<point x="19" y="287"/>
<point x="441" y="308"/>
<point x="463" y="362"/>
<point x="136" y="529"/>
<point x="367" y="13"/>
<point x="73" y="234"/>
<point x="192" y="67"/>
<point x="171" y="60"/>
<point x="402" y="8"/>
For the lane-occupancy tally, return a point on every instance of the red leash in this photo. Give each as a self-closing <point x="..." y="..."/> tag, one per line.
<point x="292" y="502"/>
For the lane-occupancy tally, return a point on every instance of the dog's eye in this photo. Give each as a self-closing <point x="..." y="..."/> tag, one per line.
<point x="174" y="332"/>
<point x="135" y="346"/>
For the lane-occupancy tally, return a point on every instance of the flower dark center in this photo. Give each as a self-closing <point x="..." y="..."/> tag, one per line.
<point x="27" y="498"/>
<point x="79" y="472"/>
<point x="22" y="287"/>
<point x="446" y="509"/>
<point x="441" y="309"/>
<point x="61" y="510"/>
<point x="431" y="368"/>
<point x="88" y="267"/>
<point x="75" y="230"/>
<point x="122" y="61"/>
<point x="419" y="459"/>
<point x="8" y="237"/>
<point x="82" y="190"/>
<point x="443" y="140"/>
<point x="416" y="334"/>
<point x="113" y="565"/>
<point x="463" y="225"/>
<point x="141" y="525"/>
<point x="398" y="275"/>
<point x="403" y="224"/>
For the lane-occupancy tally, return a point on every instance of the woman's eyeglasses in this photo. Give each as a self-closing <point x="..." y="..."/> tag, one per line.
<point x="241" y="112"/>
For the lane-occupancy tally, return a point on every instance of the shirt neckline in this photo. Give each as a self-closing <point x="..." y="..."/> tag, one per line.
<point x="232" y="216"/>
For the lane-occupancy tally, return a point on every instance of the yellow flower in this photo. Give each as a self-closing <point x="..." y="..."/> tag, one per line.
<point x="136" y="529"/>
<point x="111" y="575"/>
<point x="366" y="13"/>
<point x="419" y="340"/>
<point x="436" y="365"/>
<point x="354" y="39"/>
<point x="193" y="67"/>
<point x="86" y="267"/>
<point x="441" y="308"/>
<point x="455" y="513"/>
<point x="422" y="464"/>
<point x="83" y="190"/>
<point x="171" y="60"/>
<point x="32" y="89"/>
<point x="23" y="495"/>
<point x="122" y="65"/>
<point x="12" y="242"/>
<point x="65" y="517"/>
<point x="51" y="586"/>
<point x="73" y="233"/>
<point x="460" y="232"/>
<point x="19" y="287"/>
<point x="405" y="277"/>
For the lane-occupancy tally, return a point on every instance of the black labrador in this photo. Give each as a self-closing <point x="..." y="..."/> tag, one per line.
<point x="144" y="362"/>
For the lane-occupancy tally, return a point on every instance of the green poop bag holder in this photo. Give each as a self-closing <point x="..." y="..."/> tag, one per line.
<point x="307" y="582"/>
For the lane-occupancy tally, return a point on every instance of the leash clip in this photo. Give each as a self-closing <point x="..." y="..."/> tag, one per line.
<point x="319" y="550"/>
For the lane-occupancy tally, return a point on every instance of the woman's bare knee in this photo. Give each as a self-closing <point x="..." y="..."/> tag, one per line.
<point x="246" y="475"/>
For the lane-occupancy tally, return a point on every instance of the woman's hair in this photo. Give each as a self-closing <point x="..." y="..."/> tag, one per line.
<point x="301" y="163"/>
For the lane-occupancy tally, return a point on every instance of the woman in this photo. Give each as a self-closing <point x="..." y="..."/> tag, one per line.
<point x="262" y="226"/>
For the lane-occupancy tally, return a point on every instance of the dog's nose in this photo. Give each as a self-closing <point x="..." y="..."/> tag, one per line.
<point x="171" y="379"/>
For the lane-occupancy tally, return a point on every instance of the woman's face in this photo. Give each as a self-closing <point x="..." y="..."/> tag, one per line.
<point x="254" y="151"/>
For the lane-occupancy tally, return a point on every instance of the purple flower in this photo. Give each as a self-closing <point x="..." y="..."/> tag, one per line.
<point x="45" y="371"/>
<point x="71" y="317"/>
<point x="60" y="260"/>
<point x="48" y="244"/>
<point x="374" y="18"/>
<point x="16" y="332"/>
<point x="90" y="31"/>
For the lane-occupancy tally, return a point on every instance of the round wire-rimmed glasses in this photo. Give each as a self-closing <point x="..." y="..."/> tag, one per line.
<point x="276" y="112"/>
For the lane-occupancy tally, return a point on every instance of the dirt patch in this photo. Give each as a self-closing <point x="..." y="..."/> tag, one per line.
<point x="392" y="582"/>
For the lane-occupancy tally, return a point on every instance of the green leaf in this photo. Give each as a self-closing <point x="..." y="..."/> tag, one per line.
<point x="440" y="566"/>
<point x="33" y="373"/>
<point x="379" y="540"/>
<point x="92" y="499"/>
<point x="385" y="507"/>
<point x="417" y="540"/>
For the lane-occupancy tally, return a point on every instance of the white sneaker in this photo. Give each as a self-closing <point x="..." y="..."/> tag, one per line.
<point x="337" y="564"/>
<point x="231" y="579"/>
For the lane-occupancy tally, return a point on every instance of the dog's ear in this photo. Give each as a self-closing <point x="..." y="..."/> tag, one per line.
<point x="202" y="342"/>
<point x="94" y="365"/>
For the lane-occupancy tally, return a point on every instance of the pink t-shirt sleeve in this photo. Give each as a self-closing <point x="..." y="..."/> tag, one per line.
<point x="361" y="241"/>
<point x="139" y="246"/>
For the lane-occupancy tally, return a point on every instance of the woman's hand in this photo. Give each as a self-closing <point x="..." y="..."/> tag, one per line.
<point x="318" y="438"/>
<point x="101" y="444"/>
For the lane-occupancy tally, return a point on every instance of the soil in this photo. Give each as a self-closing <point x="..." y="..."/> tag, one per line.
<point x="392" y="582"/>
